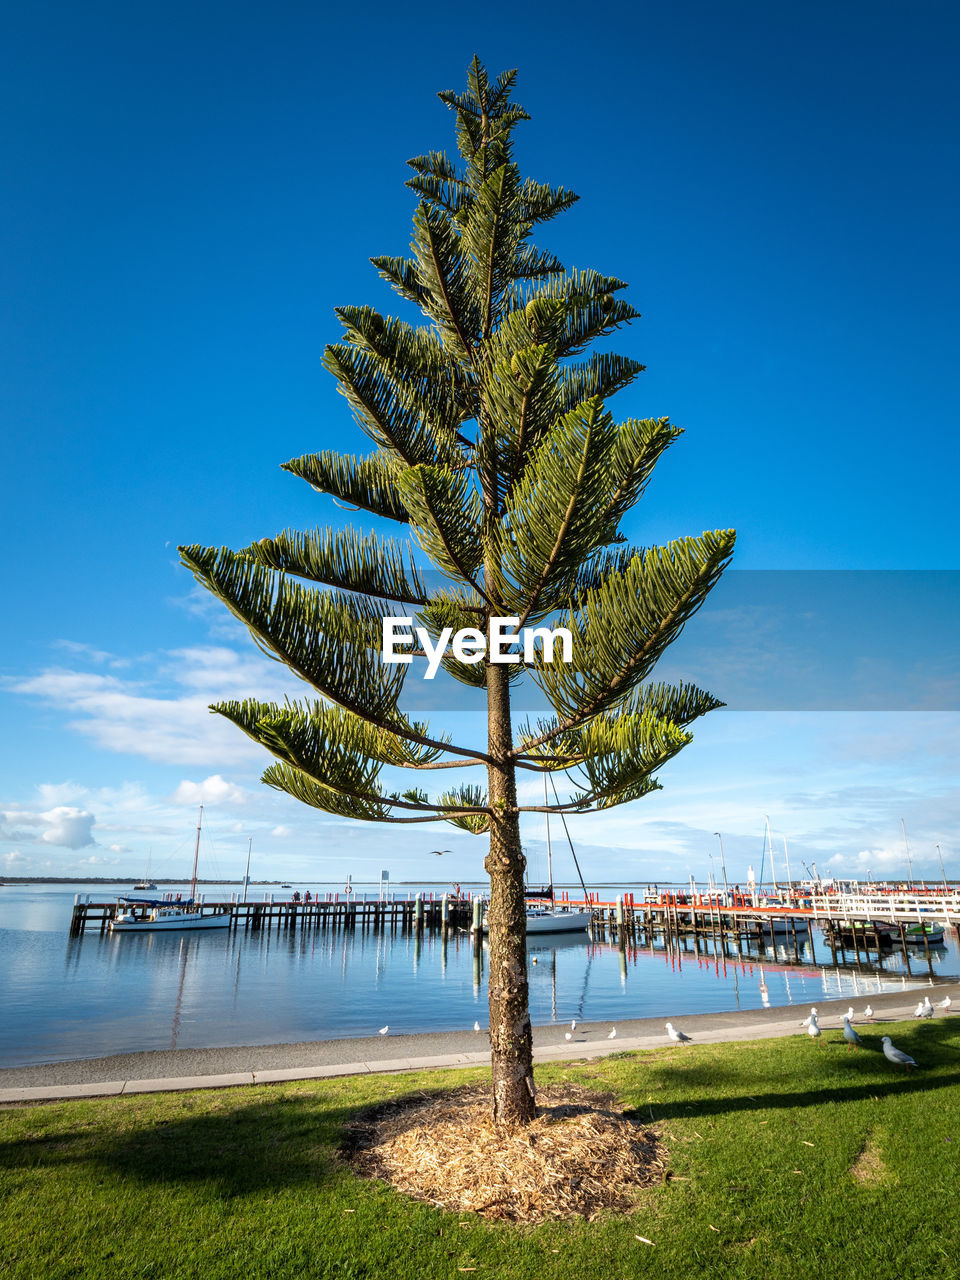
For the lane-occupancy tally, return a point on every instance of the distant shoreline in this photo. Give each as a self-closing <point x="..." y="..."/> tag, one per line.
<point x="159" y="880"/>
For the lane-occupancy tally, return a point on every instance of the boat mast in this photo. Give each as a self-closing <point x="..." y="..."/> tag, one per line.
<point x="786" y="858"/>
<point x="246" y="874"/>
<point x="907" y="846"/>
<point x="549" y="850"/>
<point x="196" y="855"/>
<point x="773" y="874"/>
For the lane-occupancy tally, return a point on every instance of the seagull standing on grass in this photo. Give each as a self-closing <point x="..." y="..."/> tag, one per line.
<point x="813" y="1030"/>
<point x="678" y="1037"/>
<point x="851" y="1037"/>
<point x="895" y="1055"/>
<point x="812" y="1017"/>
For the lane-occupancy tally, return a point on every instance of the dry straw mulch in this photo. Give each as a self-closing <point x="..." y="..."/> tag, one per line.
<point x="581" y="1156"/>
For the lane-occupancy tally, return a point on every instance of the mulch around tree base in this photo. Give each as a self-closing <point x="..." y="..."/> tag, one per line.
<point x="583" y="1155"/>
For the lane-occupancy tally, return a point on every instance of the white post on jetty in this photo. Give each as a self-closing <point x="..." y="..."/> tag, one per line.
<point x="384" y="885"/>
<point x="478" y="915"/>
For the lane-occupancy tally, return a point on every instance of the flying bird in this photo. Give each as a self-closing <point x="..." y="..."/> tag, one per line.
<point x="678" y="1037"/>
<point x="438" y="852"/>
<point x="851" y="1037"/>
<point x="895" y="1055"/>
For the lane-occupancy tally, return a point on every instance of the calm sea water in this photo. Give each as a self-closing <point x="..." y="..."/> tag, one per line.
<point x="63" y="998"/>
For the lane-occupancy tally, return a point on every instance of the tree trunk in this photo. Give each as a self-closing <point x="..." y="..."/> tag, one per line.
<point x="511" y="1040"/>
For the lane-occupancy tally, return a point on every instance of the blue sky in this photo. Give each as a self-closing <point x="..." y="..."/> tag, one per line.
<point x="194" y="188"/>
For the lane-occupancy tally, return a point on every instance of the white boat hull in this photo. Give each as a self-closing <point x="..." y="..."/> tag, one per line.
<point x="780" y="925"/>
<point x="170" y="923"/>
<point x="554" y="921"/>
<point x="557" y="921"/>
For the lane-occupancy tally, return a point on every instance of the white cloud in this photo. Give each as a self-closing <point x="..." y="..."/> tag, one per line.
<point x="68" y="827"/>
<point x="54" y="793"/>
<point x="64" y="825"/>
<point x="213" y="790"/>
<point x="281" y="832"/>
<point x="165" y="717"/>
<point x="99" y="656"/>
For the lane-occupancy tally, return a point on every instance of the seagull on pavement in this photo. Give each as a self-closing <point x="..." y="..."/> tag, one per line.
<point x="868" y="1012"/>
<point x="944" y="1004"/>
<point x="893" y="1054"/>
<point x="678" y="1037"/>
<point x="476" y="1026"/>
<point x="924" y="1010"/>
<point x="850" y="1013"/>
<point x="811" y="1018"/>
<point x="573" y="1024"/>
<point x="851" y="1037"/>
<point x="613" y="1034"/>
<point x="568" y="1035"/>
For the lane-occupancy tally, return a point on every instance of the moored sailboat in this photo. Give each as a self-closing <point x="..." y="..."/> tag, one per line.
<point x="143" y="915"/>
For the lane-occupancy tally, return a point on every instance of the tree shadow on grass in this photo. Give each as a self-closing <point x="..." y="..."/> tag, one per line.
<point x="238" y="1149"/>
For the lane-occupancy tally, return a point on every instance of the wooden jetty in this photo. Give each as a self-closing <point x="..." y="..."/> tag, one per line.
<point x="432" y="913"/>
<point x="722" y="920"/>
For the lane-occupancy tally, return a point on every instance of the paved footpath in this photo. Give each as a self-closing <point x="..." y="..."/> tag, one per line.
<point x="159" y="1071"/>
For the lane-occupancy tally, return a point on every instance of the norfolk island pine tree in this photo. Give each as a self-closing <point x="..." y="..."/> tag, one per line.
<point x="494" y="447"/>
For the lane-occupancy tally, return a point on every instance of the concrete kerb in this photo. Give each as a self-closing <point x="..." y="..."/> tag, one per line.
<point x="710" y="1029"/>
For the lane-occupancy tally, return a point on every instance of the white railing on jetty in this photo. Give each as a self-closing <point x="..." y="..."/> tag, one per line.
<point x="893" y="907"/>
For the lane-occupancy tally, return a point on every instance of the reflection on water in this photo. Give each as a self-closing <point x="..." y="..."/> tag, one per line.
<point x="66" y="998"/>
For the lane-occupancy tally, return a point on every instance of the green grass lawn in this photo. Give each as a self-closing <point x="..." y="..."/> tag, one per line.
<point x="765" y="1142"/>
